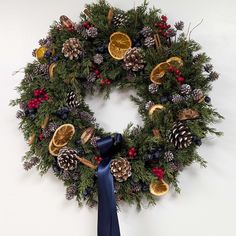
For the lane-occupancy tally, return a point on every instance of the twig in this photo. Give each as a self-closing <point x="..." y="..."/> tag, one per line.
<point x="195" y="28"/>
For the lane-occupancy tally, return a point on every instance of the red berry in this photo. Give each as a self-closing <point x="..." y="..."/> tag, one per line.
<point x="168" y="26"/>
<point x="97" y="72"/>
<point x="164" y="18"/>
<point x="41" y="136"/>
<point x="180" y="79"/>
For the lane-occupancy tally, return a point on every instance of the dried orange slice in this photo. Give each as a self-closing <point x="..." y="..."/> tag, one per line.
<point x="116" y="52"/>
<point x="155" y="108"/>
<point x="53" y="150"/>
<point x="86" y="135"/>
<point x="158" y="72"/>
<point x="121" y="40"/>
<point x="175" y="61"/>
<point x="51" y="69"/>
<point x="40" y="52"/>
<point x="63" y="134"/>
<point x="159" y="188"/>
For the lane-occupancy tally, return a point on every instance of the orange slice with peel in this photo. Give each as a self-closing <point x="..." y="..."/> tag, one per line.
<point x="40" y="52"/>
<point x="53" y="150"/>
<point x="116" y="52"/>
<point x="155" y="108"/>
<point x="63" y="135"/>
<point x="159" y="188"/>
<point x="121" y="40"/>
<point x="158" y="72"/>
<point x="175" y="61"/>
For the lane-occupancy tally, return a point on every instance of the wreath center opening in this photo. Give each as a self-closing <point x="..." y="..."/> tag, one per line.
<point x="115" y="113"/>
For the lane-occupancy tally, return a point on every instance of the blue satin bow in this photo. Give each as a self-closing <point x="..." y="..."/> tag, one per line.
<point x="108" y="224"/>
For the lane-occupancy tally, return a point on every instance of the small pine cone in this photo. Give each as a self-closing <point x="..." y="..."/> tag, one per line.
<point x="213" y="76"/>
<point x="177" y="98"/>
<point x="40" y="69"/>
<point x="185" y="89"/>
<point x="82" y="31"/>
<point x="28" y="78"/>
<point x="175" y="167"/>
<point x="49" y="130"/>
<point x="67" y="159"/>
<point x="149" y="42"/>
<point x="146" y="31"/>
<point x="92" y="32"/>
<point x="133" y="59"/>
<point x="180" y="136"/>
<point x="31" y="163"/>
<point x="153" y="88"/>
<point x="136" y="188"/>
<point x="71" y="100"/>
<point x="20" y="114"/>
<point x="208" y="68"/>
<point x="75" y="175"/>
<point x="171" y="33"/>
<point x="23" y="106"/>
<point x="72" y="48"/>
<point x="71" y="192"/>
<point x="66" y="175"/>
<point x="84" y="115"/>
<point x="179" y="25"/>
<point x="168" y="156"/>
<point x="94" y="141"/>
<point x="91" y="77"/>
<point x="56" y="168"/>
<point x="197" y="94"/>
<point x="98" y="59"/>
<point x="120" y="20"/>
<point x="34" y="52"/>
<point x="148" y="105"/>
<point x="120" y="169"/>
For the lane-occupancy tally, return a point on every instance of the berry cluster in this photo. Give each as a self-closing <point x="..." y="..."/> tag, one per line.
<point x="180" y="79"/>
<point x="105" y="81"/>
<point x="158" y="172"/>
<point x="132" y="153"/>
<point x="98" y="159"/>
<point x="163" y="27"/>
<point x="86" y="25"/>
<point x="39" y="96"/>
<point x="63" y="113"/>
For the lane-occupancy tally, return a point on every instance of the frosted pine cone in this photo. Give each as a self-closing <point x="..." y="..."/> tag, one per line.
<point x="71" y="192"/>
<point x="120" y="20"/>
<point x="98" y="59"/>
<point x="180" y="136"/>
<point x="168" y="156"/>
<point x="149" y="42"/>
<point x="91" y="77"/>
<point x="197" y="94"/>
<point x="153" y="88"/>
<point x="179" y="25"/>
<point x="185" y="89"/>
<point x="171" y="33"/>
<point x="120" y="169"/>
<point x="133" y="59"/>
<point x="177" y="98"/>
<point x="213" y="76"/>
<point x="148" y="105"/>
<point x="20" y="114"/>
<point x="71" y="100"/>
<point x="92" y="32"/>
<point x="67" y="158"/>
<point x="72" y="48"/>
<point x="208" y="68"/>
<point x="31" y="163"/>
<point x="146" y="31"/>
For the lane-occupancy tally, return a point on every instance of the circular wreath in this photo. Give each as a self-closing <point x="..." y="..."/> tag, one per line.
<point x="110" y="48"/>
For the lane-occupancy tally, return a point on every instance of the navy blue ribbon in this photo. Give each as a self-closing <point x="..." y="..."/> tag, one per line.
<point x="108" y="224"/>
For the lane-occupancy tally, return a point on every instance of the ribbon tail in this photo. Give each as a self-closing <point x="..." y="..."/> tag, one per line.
<point x="108" y="224"/>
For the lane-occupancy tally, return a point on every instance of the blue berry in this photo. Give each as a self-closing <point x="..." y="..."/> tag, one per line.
<point x="47" y="54"/>
<point x="64" y="116"/>
<point x="207" y="99"/>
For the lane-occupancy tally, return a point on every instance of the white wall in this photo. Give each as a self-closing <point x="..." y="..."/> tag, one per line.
<point x="31" y="205"/>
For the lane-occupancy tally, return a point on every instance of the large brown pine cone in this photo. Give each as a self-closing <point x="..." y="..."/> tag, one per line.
<point x="180" y="136"/>
<point x="72" y="48"/>
<point x="133" y="59"/>
<point x="120" y="169"/>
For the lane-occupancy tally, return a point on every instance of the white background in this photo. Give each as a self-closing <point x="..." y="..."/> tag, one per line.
<point x="31" y="205"/>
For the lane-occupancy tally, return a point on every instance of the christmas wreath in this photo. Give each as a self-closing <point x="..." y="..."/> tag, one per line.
<point x="114" y="49"/>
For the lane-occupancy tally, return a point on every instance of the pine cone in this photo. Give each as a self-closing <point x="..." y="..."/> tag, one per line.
<point x="197" y="94"/>
<point x="92" y="32"/>
<point x="185" y="89"/>
<point x="20" y="114"/>
<point x="71" y="100"/>
<point x="146" y="31"/>
<point x="120" y="169"/>
<point x="168" y="156"/>
<point x="31" y="163"/>
<point x="171" y="33"/>
<point x="98" y="59"/>
<point x="120" y="20"/>
<point x="177" y="98"/>
<point x="208" y="68"/>
<point x="49" y="130"/>
<point x="91" y="77"/>
<point x="133" y="59"/>
<point x="72" y="48"/>
<point x="40" y="69"/>
<point x="67" y="158"/>
<point x="213" y="76"/>
<point x="153" y="88"/>
<point x="149" y="104"/>
<point x="149" y="42"/>
<point x="179" y="25"/>
<point x="180" y="136"/>
<point x="71" y="192"/>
